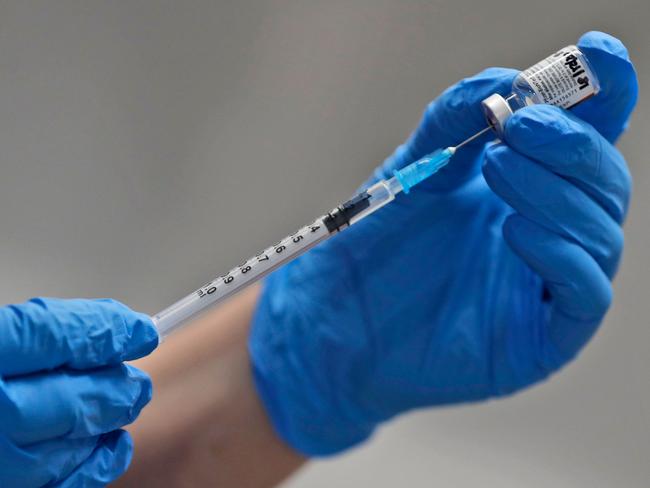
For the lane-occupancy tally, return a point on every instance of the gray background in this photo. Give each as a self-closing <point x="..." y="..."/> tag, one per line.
<point x="147" y="146"/>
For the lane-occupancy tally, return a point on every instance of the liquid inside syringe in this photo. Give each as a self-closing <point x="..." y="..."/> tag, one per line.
<point x="292" y="246"/>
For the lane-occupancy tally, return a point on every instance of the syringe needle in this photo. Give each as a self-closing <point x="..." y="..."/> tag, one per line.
<point x="475" y="136"/>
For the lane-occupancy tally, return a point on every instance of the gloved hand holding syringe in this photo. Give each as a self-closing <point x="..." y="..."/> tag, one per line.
<point x="563" y="79"/>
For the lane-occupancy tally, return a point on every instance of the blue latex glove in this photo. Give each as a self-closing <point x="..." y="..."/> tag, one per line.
<point x="484" y="280"/>
<point x="65" y="393"/>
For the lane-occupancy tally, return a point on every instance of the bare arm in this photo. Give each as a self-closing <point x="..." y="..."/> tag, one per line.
<point x="205" y="425"/>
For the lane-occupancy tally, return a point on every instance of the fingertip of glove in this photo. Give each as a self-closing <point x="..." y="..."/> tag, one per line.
<point x="132" y="334"/>
<point x="110" y="460"/>
<point x="458" y="108"/>
<point x="495" y="155"/>
<point x="508" y="174"/>
<point x="611" y="61"/>
<point x="536" y="124"/>
<point x="472" y="90"/>
<point x="492" y="78"/>
<point x="116" y="452"/>
<point x="144" y="394"/>
<point x="603" y="42"/>
<point x="141" y="336"/>
<point x="118" y="442"/>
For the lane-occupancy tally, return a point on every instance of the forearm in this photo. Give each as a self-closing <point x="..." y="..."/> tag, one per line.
<point x="205" y="425"/>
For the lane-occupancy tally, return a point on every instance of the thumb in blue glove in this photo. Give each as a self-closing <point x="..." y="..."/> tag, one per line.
<point x="65" y="393"/>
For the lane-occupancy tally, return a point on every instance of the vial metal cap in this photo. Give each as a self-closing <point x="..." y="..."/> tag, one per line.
<point x="497" y="111"/>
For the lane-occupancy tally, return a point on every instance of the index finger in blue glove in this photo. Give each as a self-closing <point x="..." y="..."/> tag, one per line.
<point x="452" y="117"/>
<point x="610" y="110"/>
<point x="76" y="404"/>
<point x="572" y="148"/>
<point x="48" y="333"/>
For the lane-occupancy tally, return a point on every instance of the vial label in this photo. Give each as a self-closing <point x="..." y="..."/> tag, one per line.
<point x="563" y="79"/>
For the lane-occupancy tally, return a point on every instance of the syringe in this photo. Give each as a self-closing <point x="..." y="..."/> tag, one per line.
<point x="563" y="79"/>
<point x="292" y="246"/>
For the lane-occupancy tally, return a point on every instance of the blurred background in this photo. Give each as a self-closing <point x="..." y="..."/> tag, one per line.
<point x="147" y="146"/>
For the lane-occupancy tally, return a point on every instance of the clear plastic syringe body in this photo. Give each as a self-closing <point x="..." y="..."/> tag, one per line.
<point x="292" y="246"/>
<point x="258" y="266"/>
<point x="563" y="79"/>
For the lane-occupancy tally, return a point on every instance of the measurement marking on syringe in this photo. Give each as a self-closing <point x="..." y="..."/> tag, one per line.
<point x="265" y="261"/>
<point x="258" y="266"/>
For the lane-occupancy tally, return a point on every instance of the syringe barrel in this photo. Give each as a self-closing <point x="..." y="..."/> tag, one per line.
<point x="563" y="79"/>
<point x="240" y="276"/>
<point x="276" y="255"/>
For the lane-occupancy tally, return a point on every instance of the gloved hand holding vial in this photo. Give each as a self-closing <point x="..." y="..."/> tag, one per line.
<point x="485" y="279"/>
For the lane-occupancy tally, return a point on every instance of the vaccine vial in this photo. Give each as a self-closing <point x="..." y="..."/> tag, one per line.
<point x="563" y="79"/>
